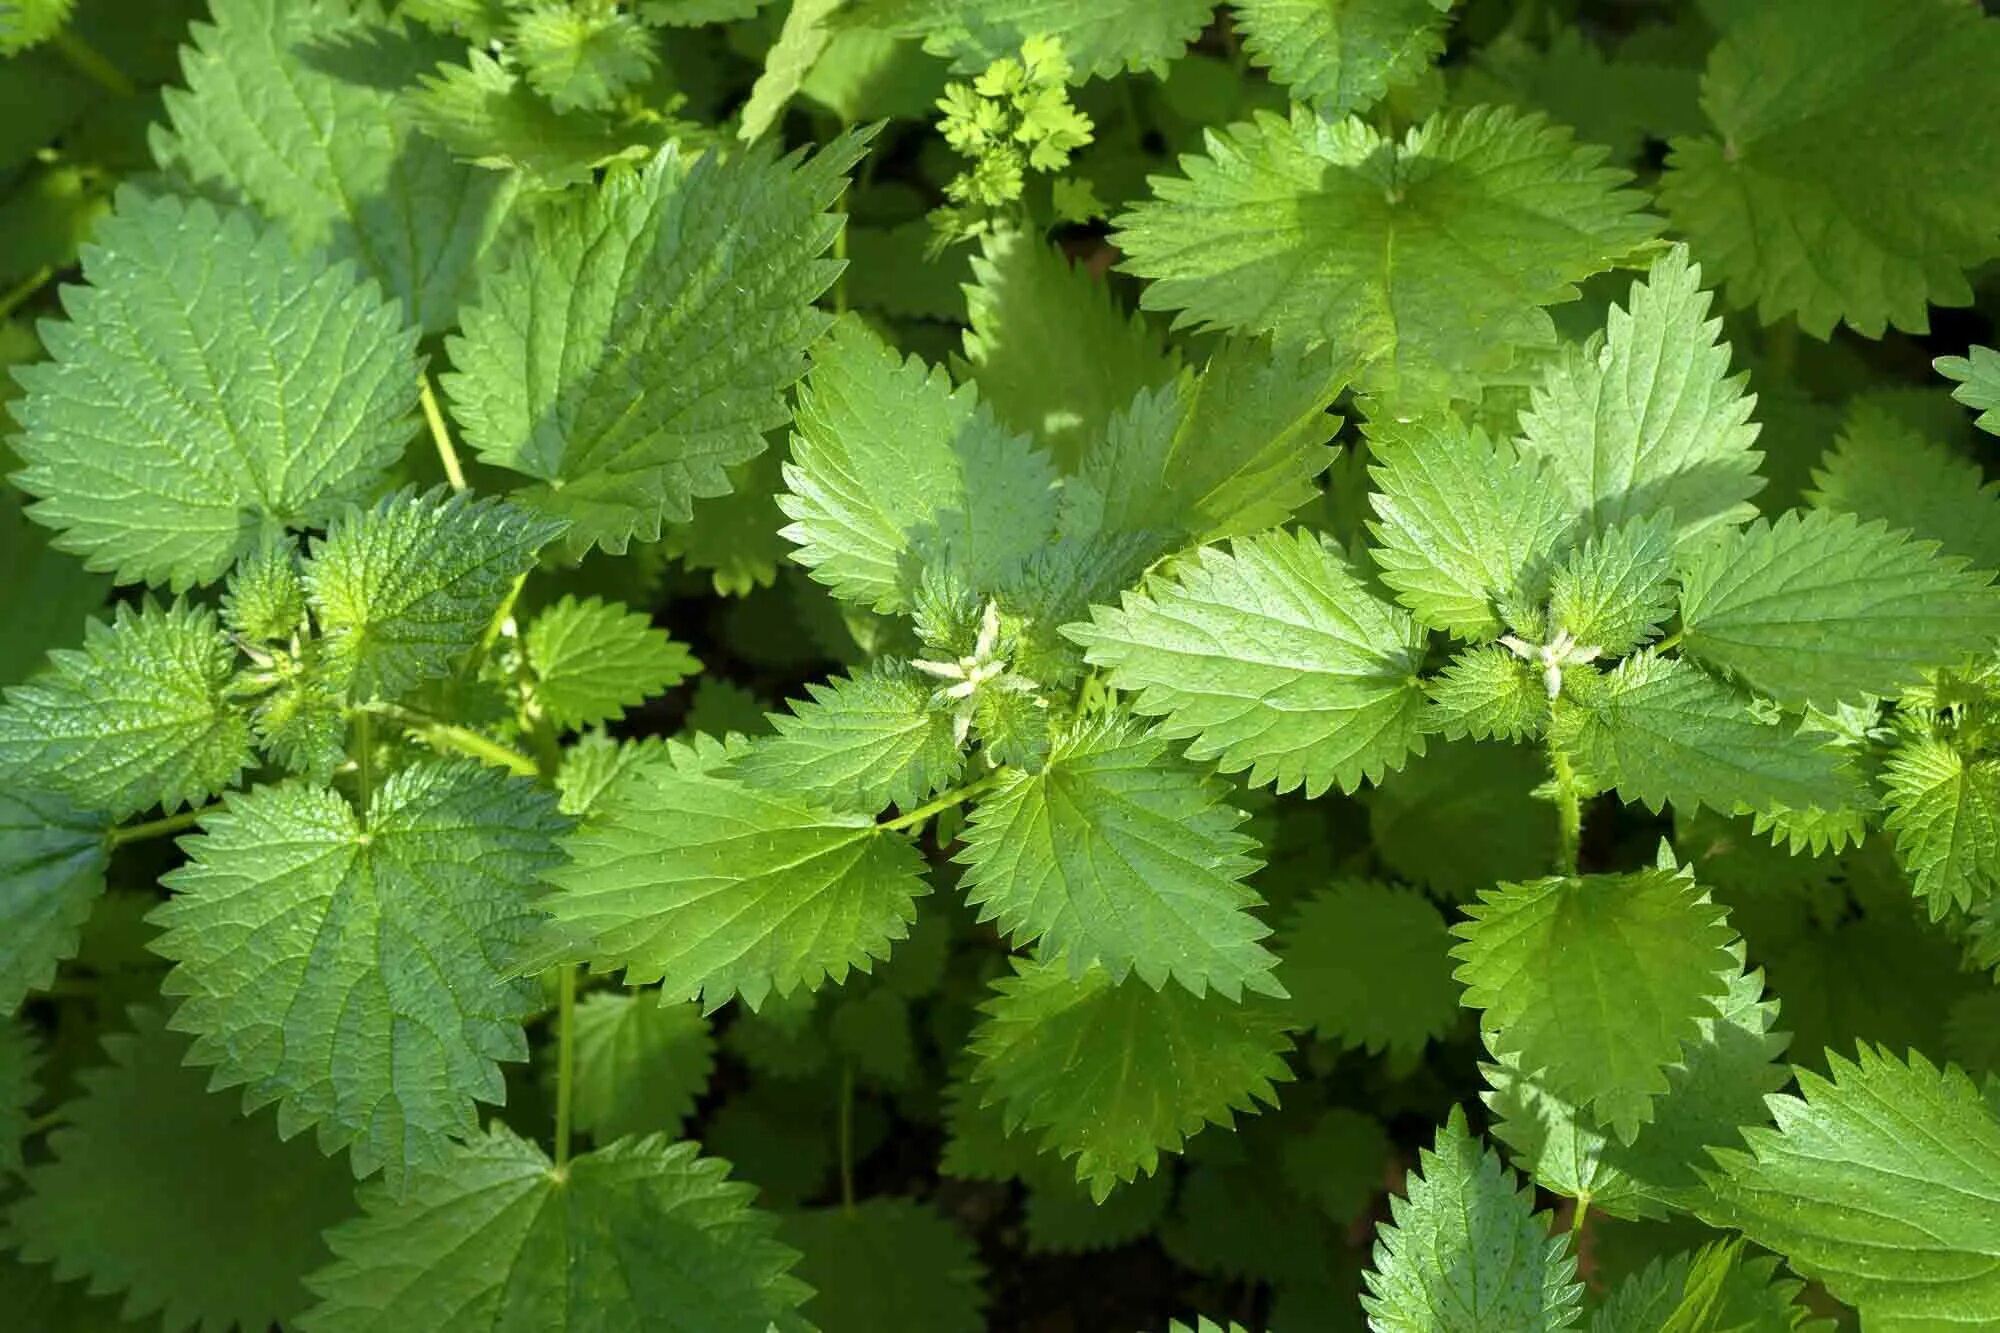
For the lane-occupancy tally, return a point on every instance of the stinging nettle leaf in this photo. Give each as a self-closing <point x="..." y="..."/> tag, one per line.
<point x="640" y="1064"/>
<point x="138" y="716"/>
<point x="1369" y="965"/>
<point x="887" y="1264"/>
<point x="1822" y="609"/>
<point x="1486" y="693"/>
<point x="641" y="336"/>
<point x="1343" y="55"/>
<point x="1882" y="468"/>
<point x="1099" y="40"/>
<point x="1978" y="377"/>
<point x="641" y="1234"/>
<point x="1274" y="657"/>
<point x="52" y="860"/>
<point x="361" y="971"/>
<point x="715" y="888"/>
<point x="1613" y="593"/>
<point x="210" y="388"/>
<point x="1289" y="227"/>
<point x="1116" y="854"/>
<point x="593" y="660"/>
<point x="1945" y="812"/>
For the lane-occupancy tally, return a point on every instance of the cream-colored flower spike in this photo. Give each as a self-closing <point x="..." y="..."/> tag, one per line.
<point x="1557" y="653"/>
<point x="965" y="676"/>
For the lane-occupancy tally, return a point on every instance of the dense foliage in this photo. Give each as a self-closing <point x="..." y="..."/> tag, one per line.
<point x="902" y="666"/>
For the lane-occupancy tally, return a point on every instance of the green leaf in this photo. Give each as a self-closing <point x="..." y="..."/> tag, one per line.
<point x="1463" y="816"/>
<point x="1117" y="855"/>
<point x="1466" y="1251"/>
<point x="1114" y="1073"/>
<point x="1369" y="966"/>
<point x="1343" y="55"/>
<point x="1660" y="729"/>
<point x="593" y="660"/>
<point x="1275" y="658"/>
<point x="1882" y="469"/>
<point x="208" y="388"/>
<point x="272" y="116"/>
<point x="716" y="888"/>
<point x="52" y="861"/>
<point x="1945" y="812"/>
<point x="1298" y="228"/>
<point x="20" y="1061"/>
<point x="1465" y="530"/>
<point x="1882" y="1184"/>
<point x="44" y="595"/>
<point x="1597" y="982"/>
<point x="862" y="742"/>
<point x="1228" y="453"/>
<point x="886" y="1264"/>
<point x="800" y="42"/>
<point x="590" y="362"/>
<point x="1978" y="376"/>
<point x="891" y="467"/>
<point x="138" y="716"/>
<point x="640" y="1064"/>
<point x="404" y="589"/>
<point x="1613" y="593"/>
<point x="1807" y="100"/>
<point x="1050" y="347"/>
<point x="1486" y="693"/>
<point x="1821" y="609"/>
<point x="26" y="23"/>
<point x="1714" y="1290"/>
<point x="1715" y="1088"/>
<point x="164" y="1192"/>
<point x="581" y="59"/>
<point x="485" y="113"/>
<point x="360" y="972"/>
<point x="1647" y="418"/>
<point x="735" y="536"/>
<point x="1100" y="40"/>
<point x="642" y="1234"/>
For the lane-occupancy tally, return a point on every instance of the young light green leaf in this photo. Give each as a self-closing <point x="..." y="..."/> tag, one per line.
<point x="27" y="23"/>
<point x="593" y="660"/>
<point x="1821" y="609"/>
<point x="209" y="388"/>
<point x="1881" y="1183"/>
<point x="1343" y="55"/>
<point x="1945" y="812"/>
<point x="581" y="59"/>
<point x="1660" y="729"/>
<point x="270" y="116"/>
<point x="640" y="1234"/>
<point x="1486" y="693"/>
<point x="590" y="363"/>
<point x="801" y="41"/>
<point x="890" y="465"/>
<point x="138" y="716"/>
<point x="1275" y="658"/>
<point x="1807" y="98"/>
<point x="864" y="741"/>
<point x="640" y="1064"/>
<point x="1227" y="453"/>
<point x="1715" y="1290"/>
<point x="1050" y="347"/>
<point x="1648" y="419"/>
<point x="715" y="888"/>
<point x="1884" y="469"/>
<point x="1466" y="531"/>
<point x="359" y="971"/>
<point x="1100" y="40"/>
<point x="1113" y="1073"/>
<point x="404" y="589"/>
<point x="1613" y="592"/>
<point x="486" y="114"/>
<point x="164" y="1192"/>
<point x="1596" y="982"/>
<point x="52" y="859"/>
<point x="1369" y="966"/>
<point x="1115" y="854"/>
<point x="1297" y="228"/>
<point x="886" y="1264"/>
<point x="1465" y="1251"/>
<point x="1978" y="376"/>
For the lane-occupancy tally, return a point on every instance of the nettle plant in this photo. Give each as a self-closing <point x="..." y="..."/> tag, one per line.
<point x="1390" y="754"/>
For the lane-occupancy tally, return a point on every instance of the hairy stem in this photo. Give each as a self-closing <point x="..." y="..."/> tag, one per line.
<point x="957" y="796"/>
<point x="845" y="1133"/>
<point x="440" y="432"/>
<point x="19" y="294"/>
<point x="440" y="735"/>
<point x="1671" y="641"/>
<point x="1569" y="812"/>
<point x="91" y="63"/>
<point x="565" y="1060"/>
<point x="1576" y="1218"/>
<point x="159" y="828"/>
<point x="364" y="762"/>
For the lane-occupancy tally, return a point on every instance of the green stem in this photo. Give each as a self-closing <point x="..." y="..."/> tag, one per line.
<point x="845" y="1131"/>
<point x="1670" y="642"/>
<point x="90" y="62"/>
<point x="1569" y="812"/>
<point x="565" y="1060"/>
<point x="46" y="1121"/>
<point x="440" y="432"/>
<point x="1781" y="347"/>
<point x="451" y="736"/>
<point x="364" y="762"/>
<point x="20" y="292"/>
<point x="494" y="628"/>
<point x="945" y="802"/>
<point x="840" y="254"/>
<point x="1576" y="1218"/>
<point x="159" y="828"/>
